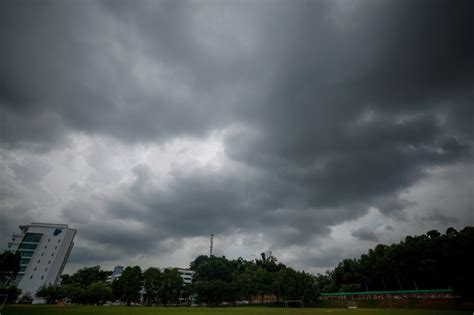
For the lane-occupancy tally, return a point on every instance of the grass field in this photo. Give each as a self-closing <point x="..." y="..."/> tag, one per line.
<point x="122" y="310"/>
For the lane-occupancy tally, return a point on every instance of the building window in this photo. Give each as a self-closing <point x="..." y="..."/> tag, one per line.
<point x="32" y="237"/>
<point x="22" y="268"/>
<point x="55" y="247"/>
<point x="39" y="261"/>
<point x="27" y="246"/>
<point x="59" y="241"/>
<point x="49" y="240"/>
<point x="34" y="269"/>
<point x="42" y="277"/>
<point x="49" y="262"/>
<point x="42" y="254"/>
<point x="25" y="254"/>
<point x="31" y="277"/>
<point x="45" y="269"/>
<point x="45" y="246"/>
<point x="52" y="254"/>
<point x="24" y="261"/>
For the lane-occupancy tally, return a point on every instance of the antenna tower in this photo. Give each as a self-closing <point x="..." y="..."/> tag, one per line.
<point x="212" y="243"/>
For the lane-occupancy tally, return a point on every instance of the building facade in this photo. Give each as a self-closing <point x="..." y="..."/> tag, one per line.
<point x="115" y="274"/>
<point x="44" y="249"/>
<point x="186" y="275"/>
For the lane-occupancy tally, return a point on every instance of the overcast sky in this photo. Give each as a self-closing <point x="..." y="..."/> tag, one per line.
<point x="312" y="129"/>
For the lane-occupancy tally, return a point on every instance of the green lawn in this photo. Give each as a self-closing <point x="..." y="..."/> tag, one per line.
<point x="119" y="310"/>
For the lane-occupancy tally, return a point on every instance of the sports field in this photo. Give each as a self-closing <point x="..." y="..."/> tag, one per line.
<point x="122" y="310"/>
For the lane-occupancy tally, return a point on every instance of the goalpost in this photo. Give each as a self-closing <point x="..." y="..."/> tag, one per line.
<point x="3" y="300"/>
<point x="300" y="302"/>
<point x="351" y="305"/>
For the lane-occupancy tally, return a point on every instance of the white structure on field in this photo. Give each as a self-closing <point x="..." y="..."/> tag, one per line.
<point x="186" y="275"/>
<point x="44" y="250"/>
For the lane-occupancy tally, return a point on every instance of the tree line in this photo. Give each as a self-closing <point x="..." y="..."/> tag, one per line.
<point x="429" y="261"/>
<point x="216" y="280"/>
<point x="89" y="286"/>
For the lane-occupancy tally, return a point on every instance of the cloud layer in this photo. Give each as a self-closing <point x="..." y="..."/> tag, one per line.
<point x="306" y="128"/>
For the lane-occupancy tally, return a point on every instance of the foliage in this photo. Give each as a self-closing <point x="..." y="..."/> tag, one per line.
<point x="74" y="292"/>
<point x="50" y="293"/>
<point x="428" y="261"/>
<point x="127" y="287"/>
<point x="432" y="260"/>
<point x="98" y="293"/>
<point x="152" y="283"/>
<point x="12" y="291"/>
<point x="118" y="310"/>
<point x="9" y="266"/>
<point x="158" y="286"/>
<point x="171" y="284"/>
<point x="220" y="280"/>
<point x="85" y="286"/>
<point x="25" y="299"/>
<point x="86" y="276"/>
<point x="350" y="287"/>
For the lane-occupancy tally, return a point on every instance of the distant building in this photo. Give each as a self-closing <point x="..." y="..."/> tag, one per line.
<point x="115" y="274"/>
<point x="186" y="275"/>
<point x="44" y="250"/>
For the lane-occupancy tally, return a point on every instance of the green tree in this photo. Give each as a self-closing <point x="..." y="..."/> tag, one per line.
<point x="127" y="287"/>
<point x="98" y="292"/>
<point x="50" y="293"/>
<point x="11" y="291"/>
<point x="86" y="276"/>
<point x="212" y="268"/>
<point x="153" y="281"/>
<point x="171" y="285"/>
<point x="350" y="287"/>
<point x="74" y="292"/>
<point x="212" y="279"/>
<point x="429" y="261"/>
<point x="263" y="281"/>
<point x="9" y="266"/>
<point x="246" y="285"/>
<point x="219" y="280"/>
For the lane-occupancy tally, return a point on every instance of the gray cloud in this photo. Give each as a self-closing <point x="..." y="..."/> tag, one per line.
<point x="326" y="109"/>
<point x="90" y="256"/>
<point x="365" y="234"/>
<point x="439" y="217"/>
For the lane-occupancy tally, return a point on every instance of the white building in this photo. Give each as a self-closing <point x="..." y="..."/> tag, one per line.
<point x="115" y="274"/>
<point x="186" y="275"/>
<point x="44" y="250"/>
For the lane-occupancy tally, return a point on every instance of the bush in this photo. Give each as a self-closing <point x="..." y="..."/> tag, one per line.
<point x="50" y="293"/>
<point x="12" y="291"/>
<point x="26" y="298"/>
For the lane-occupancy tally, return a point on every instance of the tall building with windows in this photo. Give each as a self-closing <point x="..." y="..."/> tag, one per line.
<point x="44" y="249"/>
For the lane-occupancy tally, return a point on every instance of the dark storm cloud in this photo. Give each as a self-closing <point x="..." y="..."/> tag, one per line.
<point x="350" y="125"/>
<point x="74" y="67"/>
<point x="90" y="256"/>
<point x="197" y="201"/>
<point x="365" y="234"/>
<point x="439" y="217"/>
<point x="333" y="107"/>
